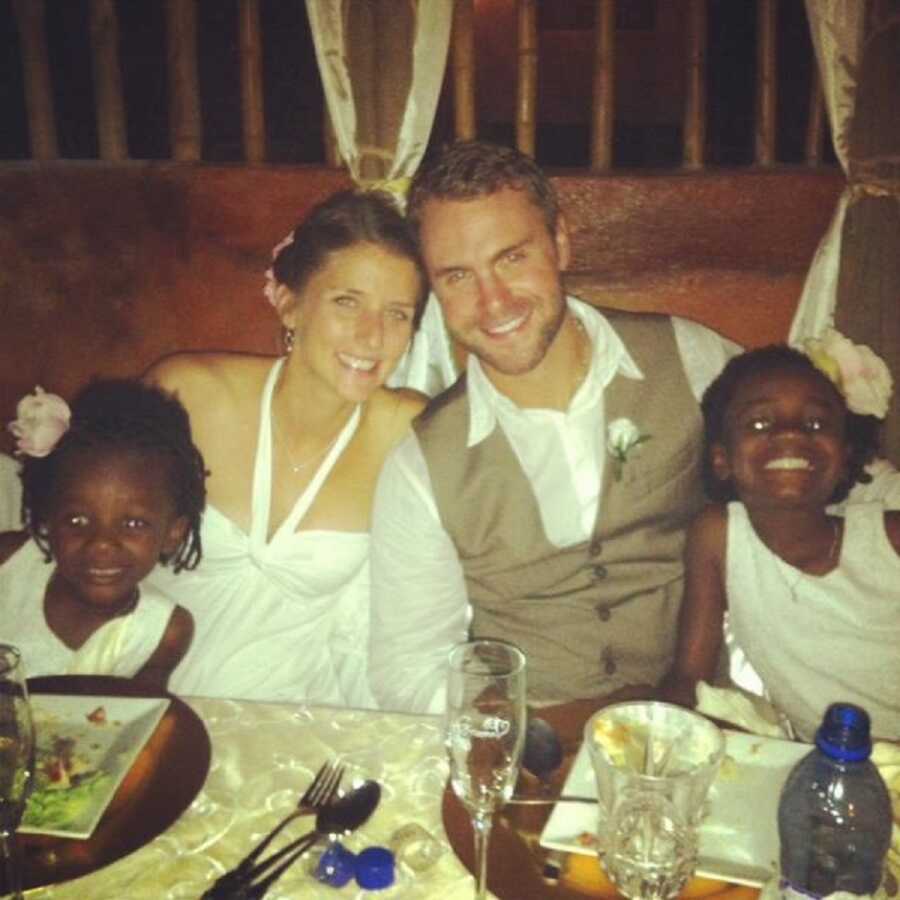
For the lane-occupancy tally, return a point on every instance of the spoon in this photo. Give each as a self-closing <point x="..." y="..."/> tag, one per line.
<point x="343" y="815"/>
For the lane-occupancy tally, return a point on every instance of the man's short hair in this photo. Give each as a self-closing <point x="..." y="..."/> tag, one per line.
<point x="470" y="169"/>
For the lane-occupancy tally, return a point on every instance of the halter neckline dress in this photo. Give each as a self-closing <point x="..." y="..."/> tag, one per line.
<point x="280" y="619"/>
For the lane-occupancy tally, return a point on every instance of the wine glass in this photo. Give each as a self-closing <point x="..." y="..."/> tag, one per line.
<point x="485" y="724"/>
<point x="16" y="762"/>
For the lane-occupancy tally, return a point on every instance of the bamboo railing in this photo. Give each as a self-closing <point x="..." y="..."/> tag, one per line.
<point x="766" y="81"/>
<point x="185" y="124"/>
<point x="38" y="90"/>
<point x="463" y="48"/>
<point x="108" y="81"/>
<point x="185" y="121"/>
<point x="694" y="126"/>
<point x="251" y="82"/>
<point x="603" y="113"/>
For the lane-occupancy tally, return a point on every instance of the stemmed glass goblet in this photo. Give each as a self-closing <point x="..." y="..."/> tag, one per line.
<point x="16" y="763"/>
<point x="485" y="723"/>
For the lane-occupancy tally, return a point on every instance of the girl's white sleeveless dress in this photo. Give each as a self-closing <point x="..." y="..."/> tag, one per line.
<point x="819" y="639"/>
<point x="120" y="647"/>
<point x="285" y="619"/>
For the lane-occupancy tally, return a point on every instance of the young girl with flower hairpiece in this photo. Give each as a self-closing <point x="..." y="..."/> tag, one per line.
<point x="813" y="600"/>
<point x="109" y="490"/>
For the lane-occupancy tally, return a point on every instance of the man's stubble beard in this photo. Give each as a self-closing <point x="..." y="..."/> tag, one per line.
<point x="546" y="336"/>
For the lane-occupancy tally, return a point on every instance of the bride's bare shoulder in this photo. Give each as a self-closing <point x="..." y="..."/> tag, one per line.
<point x="198" y="377"/>
<point x="392" y="409"/>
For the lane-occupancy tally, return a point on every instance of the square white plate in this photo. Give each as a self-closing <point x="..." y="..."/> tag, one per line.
<point x="108" y="748"/>
<point x="738" y="836"/>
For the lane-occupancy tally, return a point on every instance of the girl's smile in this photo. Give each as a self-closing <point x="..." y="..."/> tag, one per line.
<point x="784" y="439"/>
<point x="112" y="519"/>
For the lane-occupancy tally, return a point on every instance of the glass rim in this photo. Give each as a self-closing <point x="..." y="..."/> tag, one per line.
<point x="714" y="760"/>
<point x="516" y="657"/>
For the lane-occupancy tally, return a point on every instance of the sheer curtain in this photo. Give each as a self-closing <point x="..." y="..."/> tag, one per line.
<point x="382" y="64"/>
<point x="854" y="280"/>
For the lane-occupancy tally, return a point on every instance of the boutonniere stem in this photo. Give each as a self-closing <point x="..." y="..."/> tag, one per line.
<point x="623" y="437"/>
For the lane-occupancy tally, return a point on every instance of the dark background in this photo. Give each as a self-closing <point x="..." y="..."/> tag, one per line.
<point x="293" y="98"/>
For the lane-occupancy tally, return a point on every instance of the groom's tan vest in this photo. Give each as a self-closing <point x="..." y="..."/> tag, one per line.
<point x="602" y="614"/>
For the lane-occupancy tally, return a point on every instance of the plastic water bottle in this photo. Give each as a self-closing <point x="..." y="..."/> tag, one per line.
<point x="834" y="816"/>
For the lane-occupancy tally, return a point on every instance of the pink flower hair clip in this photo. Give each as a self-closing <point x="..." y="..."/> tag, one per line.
<point x="269" y="289"/>
<point x="41" y="420"/>
<point x="861" y="376"/>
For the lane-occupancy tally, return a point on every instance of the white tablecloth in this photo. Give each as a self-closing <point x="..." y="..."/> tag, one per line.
<point x="263" y="757"/>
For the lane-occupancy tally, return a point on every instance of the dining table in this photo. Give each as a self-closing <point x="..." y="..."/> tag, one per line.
<point x="220" y="773"/>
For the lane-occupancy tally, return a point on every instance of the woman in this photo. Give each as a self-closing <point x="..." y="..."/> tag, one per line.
<point x="294" y="446"/>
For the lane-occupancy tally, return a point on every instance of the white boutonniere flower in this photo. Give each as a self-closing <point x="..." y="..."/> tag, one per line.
<point x="622" y="436"/>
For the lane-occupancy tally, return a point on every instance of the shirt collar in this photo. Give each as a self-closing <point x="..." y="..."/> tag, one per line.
<point x="609" y="357"/>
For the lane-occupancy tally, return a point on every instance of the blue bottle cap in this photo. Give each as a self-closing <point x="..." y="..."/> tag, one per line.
<point x="336" y="865"/>
<point x="375" y="868"/>
<point x="844" y="733"/>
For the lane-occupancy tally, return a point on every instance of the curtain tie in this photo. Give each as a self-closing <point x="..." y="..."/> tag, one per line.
<point x="879" y="177"/>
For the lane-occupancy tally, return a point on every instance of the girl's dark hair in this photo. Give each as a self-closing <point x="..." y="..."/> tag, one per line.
<point x="344" y="219"/>
<point x="861" y="432"/>
<point x="130" y="416"/>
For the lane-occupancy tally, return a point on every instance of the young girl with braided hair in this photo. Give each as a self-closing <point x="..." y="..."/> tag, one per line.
<point x="813" y="599"/>
<point x="109" y="490"/>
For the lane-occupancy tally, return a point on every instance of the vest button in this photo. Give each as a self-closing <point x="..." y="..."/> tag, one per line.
<point x="599" y="572"/>
<point x="603" y="612"/>
<point x="595" y="547"/>
<point x="609" y="664"/>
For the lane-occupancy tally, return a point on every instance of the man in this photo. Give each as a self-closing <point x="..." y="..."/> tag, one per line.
<point x="548" y="490"/>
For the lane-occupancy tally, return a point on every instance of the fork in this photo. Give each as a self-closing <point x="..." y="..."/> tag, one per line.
<point x="248" y="889"/>
<point x="319" y="794"/>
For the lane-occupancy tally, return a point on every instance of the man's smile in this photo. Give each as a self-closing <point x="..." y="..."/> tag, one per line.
<point x="508" y="326"/>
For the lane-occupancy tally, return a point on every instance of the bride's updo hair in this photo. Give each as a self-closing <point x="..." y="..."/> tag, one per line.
<point x="343" y="220"/>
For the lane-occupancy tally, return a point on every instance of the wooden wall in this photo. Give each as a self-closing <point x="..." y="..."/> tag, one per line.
<point x="104" y="268"/>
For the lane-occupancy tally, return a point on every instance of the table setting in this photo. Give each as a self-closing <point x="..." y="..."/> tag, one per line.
<point x="258" y="760"/>
<point x="230" y="799"/>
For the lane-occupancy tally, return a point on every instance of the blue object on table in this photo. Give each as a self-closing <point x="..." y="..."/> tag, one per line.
<point x="336" y="866"/>
<point x="375" y="868"/>
<point x="834" y="816"/>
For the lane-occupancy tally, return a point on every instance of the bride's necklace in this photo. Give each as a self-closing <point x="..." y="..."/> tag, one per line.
<point x="298" y="467"/>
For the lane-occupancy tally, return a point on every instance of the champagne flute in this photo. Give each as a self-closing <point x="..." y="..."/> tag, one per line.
<point x="16" y="762"/>
<point x="484" y="732"/>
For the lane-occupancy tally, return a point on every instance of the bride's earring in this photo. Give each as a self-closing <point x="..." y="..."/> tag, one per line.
<point x="287" y="338"/>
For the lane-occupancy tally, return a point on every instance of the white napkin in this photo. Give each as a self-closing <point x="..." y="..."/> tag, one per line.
<point x="757" y="715"/>
<point x="748" y="711"/>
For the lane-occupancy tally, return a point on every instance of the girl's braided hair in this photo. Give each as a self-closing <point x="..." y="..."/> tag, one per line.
<point x="126" y="415"/>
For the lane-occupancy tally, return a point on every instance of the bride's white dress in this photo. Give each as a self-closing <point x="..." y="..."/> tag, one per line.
<point x="285" y="619"/>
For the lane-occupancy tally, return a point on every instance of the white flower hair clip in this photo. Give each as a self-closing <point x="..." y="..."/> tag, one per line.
<point x="859" y="374"/>
<point x="41" y="420"/>
<point x="270" y="286"/>
<point x="622" y="437"/>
